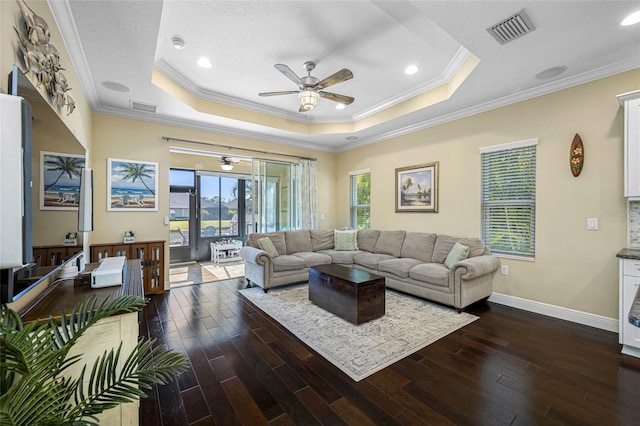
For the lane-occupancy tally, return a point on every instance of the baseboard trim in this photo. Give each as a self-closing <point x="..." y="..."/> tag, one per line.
<point x="584" y="318"/>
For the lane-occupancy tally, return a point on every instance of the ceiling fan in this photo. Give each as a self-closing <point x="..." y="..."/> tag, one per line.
<point x="227" y="163"/>
<point x="310" y="88"/>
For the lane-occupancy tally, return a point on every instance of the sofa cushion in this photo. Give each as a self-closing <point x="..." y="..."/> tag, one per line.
<point x="345" y="240"/>
<point x="444" y="244"/>
<point x="458" y="252"/>
<point x="370" y="260"/>
<point x="321" y="240"/>
<point x="287" y="263"/>
<point x="266" y="245"/>
<point x="432" y="273"/>
<point x="367" y="239"/>
<point x="298" y="241"/>
<point x="399" y="267"/>
<point x="390" y="242"/>
<point x="418" y="245"/>
<point x="313" y="259"/>
<point x="277" y="238"/>
<point x="341" y="256"/>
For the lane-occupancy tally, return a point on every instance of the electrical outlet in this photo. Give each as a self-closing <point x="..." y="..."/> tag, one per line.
<point x="504" y="269"/>
<point x="592" y="224"/>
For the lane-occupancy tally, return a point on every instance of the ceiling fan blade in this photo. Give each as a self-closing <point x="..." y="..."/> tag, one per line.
<point x="290" y="75"/>
<point x="287" y="92"/>
<point x="337" y="98"/>
<point x="338" y="77"/>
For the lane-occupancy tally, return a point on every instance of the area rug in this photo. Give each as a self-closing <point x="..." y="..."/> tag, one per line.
<point x="408" y="325"/>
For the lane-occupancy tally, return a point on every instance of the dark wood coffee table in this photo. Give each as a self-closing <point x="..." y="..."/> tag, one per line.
<point x="354" y="295"/>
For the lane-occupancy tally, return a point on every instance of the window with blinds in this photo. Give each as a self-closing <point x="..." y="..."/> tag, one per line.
<point x="360" y="199"/>
<point x="509" y="198"/>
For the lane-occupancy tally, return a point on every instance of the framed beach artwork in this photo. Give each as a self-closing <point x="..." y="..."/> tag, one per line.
<point x="417" y="188"/>
<point x="60" y="180"/>
<point x="132" y="185"/>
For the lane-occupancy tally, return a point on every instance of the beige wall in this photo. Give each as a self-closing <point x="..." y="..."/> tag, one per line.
<point x="574" y="268"/>
<point x="122" y="138"/>
<point x="79" y="122"/>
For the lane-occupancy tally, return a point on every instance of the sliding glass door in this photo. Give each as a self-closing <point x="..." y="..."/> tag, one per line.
<point x="271" y="194"/>
<point x="205" y="208"/>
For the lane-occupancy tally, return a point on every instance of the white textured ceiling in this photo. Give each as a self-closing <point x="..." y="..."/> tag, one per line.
<point x="125" y="41"/>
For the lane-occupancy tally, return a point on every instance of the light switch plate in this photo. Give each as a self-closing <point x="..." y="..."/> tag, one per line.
<point x="592" y="224"/>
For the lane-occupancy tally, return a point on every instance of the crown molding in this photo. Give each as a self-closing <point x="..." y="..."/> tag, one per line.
<point x="197" y="125"/>
<point x="452" y="67"/>
<point x="210" y="95"/>
<point x="566" y="83"/>
<point x="66" y="24"/>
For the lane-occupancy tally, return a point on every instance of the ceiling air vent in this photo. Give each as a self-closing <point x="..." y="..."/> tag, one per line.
<point x="513" y="27"/>
<point x="139" y="106"/>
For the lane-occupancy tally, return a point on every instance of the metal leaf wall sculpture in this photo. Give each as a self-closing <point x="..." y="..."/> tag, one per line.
<point x="42" y="58"/>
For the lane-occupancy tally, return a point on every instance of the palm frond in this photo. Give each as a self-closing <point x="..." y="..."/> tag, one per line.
<point x="87" y="313"/>
<point x="33" y="390"/>
<point x="146" y="365"/>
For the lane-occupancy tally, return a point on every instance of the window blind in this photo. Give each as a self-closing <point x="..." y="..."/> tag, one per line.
<point x="509" y="200"/>
<point x="360" y="199"/>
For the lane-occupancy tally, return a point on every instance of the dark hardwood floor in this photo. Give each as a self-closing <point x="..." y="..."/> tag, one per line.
<point x="508" y="367"/>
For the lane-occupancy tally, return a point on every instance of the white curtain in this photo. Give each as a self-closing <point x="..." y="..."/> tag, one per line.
<point x="307" y="194"/>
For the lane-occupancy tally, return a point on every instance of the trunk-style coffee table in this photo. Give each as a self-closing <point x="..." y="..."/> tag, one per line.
<point x="354" y="295"/>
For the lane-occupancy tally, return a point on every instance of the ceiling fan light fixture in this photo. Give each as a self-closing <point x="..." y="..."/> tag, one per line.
<point x="226" y="167"/>
<point x="308" y="99"/>
<point x="340" y="106"/>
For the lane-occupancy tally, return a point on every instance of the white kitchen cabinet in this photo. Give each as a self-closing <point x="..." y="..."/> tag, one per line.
<point x="629" y="284"/>
<point x="631" y="103"/>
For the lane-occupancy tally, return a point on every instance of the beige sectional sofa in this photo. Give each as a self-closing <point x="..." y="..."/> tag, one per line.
<point x="411" y="262"/>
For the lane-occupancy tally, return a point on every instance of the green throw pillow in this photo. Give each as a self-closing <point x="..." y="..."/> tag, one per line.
<point x="345" y="240"/>
<point x="267" y="245"/>
<point x="458" y="252"/>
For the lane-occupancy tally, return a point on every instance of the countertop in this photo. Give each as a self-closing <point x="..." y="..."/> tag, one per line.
<point x="64" y="295"/>
<point x="626" y="253"/>
<point x="634" y="312"/>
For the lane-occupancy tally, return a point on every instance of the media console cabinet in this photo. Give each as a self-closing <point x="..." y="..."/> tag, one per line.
<point x="151" y="253"/>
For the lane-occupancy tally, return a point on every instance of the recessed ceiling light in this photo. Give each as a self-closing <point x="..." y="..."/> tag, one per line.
<point x="204" y="62"/>
<point x="116" y="87"/>
<point x="352" y="138"/>
<point x="634" y="18"/>
<point x="551" y="72"/>
<point x="178" y="42"/>
<point x="411" y="69"/>
<point x="340" y="106"/>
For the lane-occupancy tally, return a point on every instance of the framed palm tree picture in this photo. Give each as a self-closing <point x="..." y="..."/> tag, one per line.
<point x="417" y="188"/>
<point x="60" y="180"/>
<point x="132" y="185"/>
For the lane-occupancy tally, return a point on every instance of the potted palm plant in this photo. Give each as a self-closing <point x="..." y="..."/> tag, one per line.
<point x="34" y="357"/>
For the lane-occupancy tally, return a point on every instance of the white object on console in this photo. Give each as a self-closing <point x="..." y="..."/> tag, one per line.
<point x="109" y="273"/>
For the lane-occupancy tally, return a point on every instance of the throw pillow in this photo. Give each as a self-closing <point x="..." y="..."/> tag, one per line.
<point x="345" y="240"/>
<point x="267" y="245"/>
<point x="458" y="252"/>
